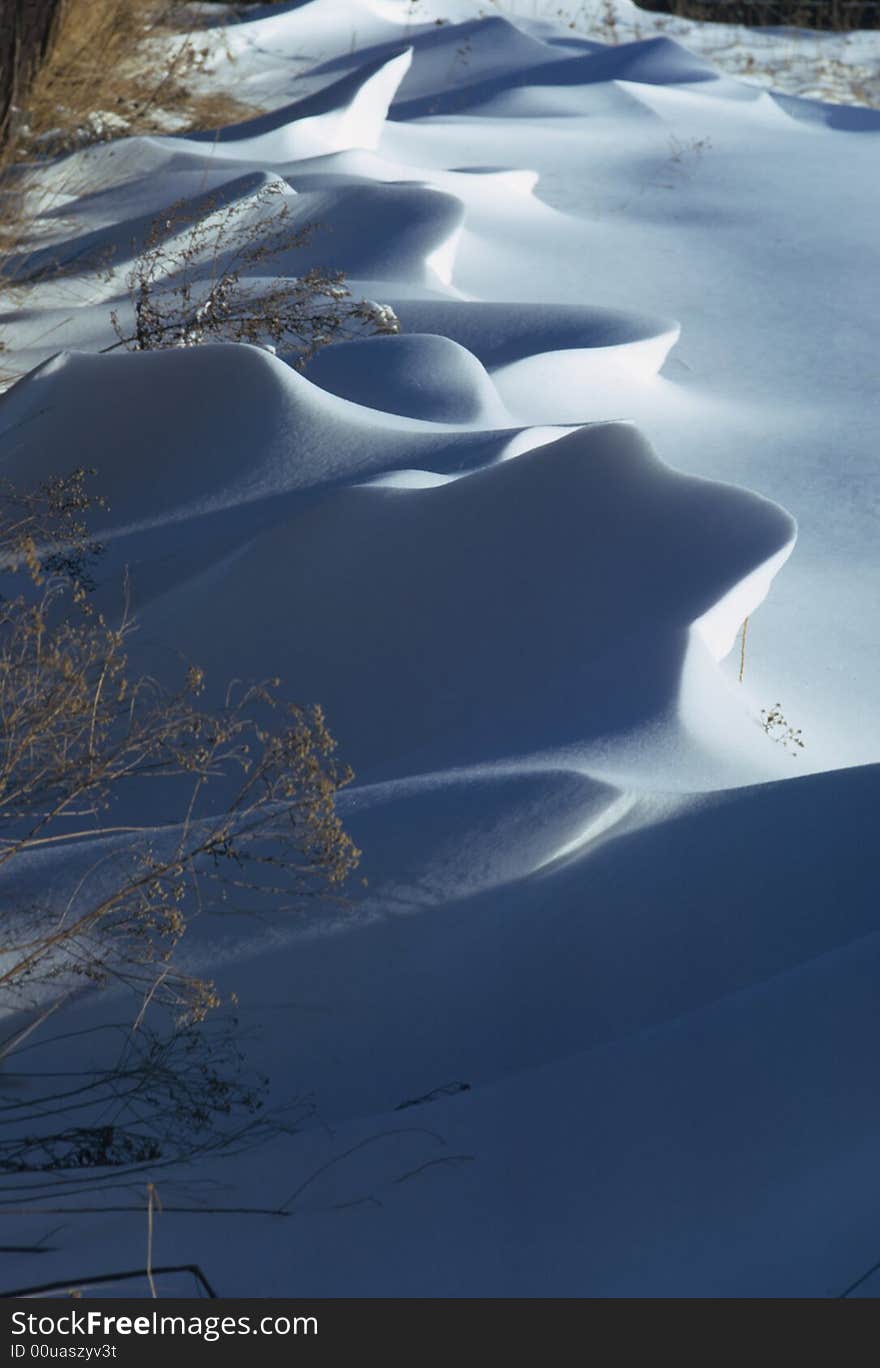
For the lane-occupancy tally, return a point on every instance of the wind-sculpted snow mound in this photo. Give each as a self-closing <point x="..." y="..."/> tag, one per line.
<point x="540" y="356"/>
<point x="503" y="334"/>
<point x="451" y="54"/>
<point x="648" y="1054"/>
<point x="652" y="61"/>
<point x="105" y="253"/>
<point x="418" y="376"/>
<point x="846" y="118"/>
<point x="437" y="849"/>
<point x="626" y="976"/>
<point x="348" y="113"/>
<point x="433" y="839"/>
<point x="370" y="231"/>
<point x="179" y="432"/>
<point x="536" y="607"/>
<point x="377" y="232"/>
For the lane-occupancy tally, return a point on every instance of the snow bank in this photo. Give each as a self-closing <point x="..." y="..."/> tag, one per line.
<point x="617" y="944"/>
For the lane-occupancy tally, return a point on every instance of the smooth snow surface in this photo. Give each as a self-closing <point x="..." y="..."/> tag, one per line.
<point x="633" y="402"/>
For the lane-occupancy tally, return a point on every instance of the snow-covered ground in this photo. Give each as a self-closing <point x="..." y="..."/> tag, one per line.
<point x="840" y="67"/>
<point x="634" y="402"/>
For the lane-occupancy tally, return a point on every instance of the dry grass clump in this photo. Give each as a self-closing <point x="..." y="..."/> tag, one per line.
<point x="106" y="74"/>
<point x="779" y="729"/>
<point x="100" y="79"/>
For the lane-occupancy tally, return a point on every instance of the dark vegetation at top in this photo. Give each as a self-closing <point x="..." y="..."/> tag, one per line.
<point x="817" y="14"/>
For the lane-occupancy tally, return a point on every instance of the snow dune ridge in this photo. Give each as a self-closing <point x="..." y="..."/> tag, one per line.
<point x="512" y="551"/>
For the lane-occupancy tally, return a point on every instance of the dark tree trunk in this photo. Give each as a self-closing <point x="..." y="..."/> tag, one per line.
<point x="27" y="28"/>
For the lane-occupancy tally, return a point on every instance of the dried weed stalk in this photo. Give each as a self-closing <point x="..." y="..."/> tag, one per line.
<point x="125" y="809"/>
<point x="779" y="729"/>
<point x="188" y="808"/>
<point x="112" y="68"/>
<point x="43" y="530"/>
<point x="193" y="282"/>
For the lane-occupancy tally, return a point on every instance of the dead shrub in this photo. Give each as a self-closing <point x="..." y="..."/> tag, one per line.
<point x="192" y="282"/>
<point x="155" y="809"/>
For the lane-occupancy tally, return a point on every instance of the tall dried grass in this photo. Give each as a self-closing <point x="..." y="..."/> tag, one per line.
<point x="106" y="74"/>
<point x="102" y="63"/>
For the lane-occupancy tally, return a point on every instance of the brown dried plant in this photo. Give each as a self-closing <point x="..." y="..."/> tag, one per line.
<point x="199" y="278"/>
<point x="188" y="807"/>
<point x="104" y="73"/>
<point x="126" y="808"/>
<point x="779" y="729"/>
<point x="112" y="68"/>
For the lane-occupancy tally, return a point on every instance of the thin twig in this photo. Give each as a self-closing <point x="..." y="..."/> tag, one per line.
<point x="137" y="1209"/>
<point x="361" y="1144"/>
<point x="152" y="1201"/>
<point x="430" y="1163"/>
<point x="68" y="1283"/>
<point x="858" y="1282"/>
